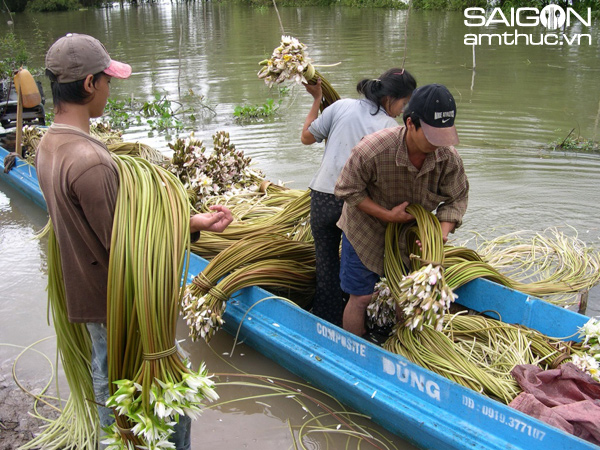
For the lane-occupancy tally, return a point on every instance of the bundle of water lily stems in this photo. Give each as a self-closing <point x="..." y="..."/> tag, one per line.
<point x="77" y="425"/>
<point x="288" y="218"/>
<point x="150" y="385"/>
<point x="423" y="295"/>
<point x="547" y="267"/>
<point x="290" y="62"/>
<point x="479" y="352"/>
<point x="261" y="260"/>
<point x="556" y="264"/>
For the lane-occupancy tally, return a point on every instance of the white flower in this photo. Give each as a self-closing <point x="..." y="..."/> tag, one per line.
<point x="192" y="411"/>
<point x="161" y="409"/>
<point x="146" y="428"/>
<point x="588" y="364"/>
<point x="590" y="331"/>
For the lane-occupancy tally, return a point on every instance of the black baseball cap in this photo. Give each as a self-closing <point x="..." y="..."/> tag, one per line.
<point x="435" y="107"/>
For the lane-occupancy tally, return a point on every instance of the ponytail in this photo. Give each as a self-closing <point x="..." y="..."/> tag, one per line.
<point x="394" y="84"/>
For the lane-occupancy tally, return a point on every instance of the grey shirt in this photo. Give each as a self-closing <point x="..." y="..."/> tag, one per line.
<point x="343" y="124"/>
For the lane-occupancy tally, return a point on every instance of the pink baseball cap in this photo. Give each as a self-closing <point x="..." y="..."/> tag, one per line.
<point x="75" y="56"/>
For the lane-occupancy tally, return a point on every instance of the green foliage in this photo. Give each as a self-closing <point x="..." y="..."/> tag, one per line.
<point x="157" y="113"/>
<point x="284" y="91"/>
<point x="160" y="113"/>
<point x="52" y="5"/>
<point x="121" y="114"/>
<point x="577" y="5"/>
<point x="49" y="113"/>
<point x="14" y="5"/>
<point x="394" y="4"/>
<point x="576" y="144"/>
<point x="450" y="5"/>
<point x="252" y="112"/>
<point x="263" y="5"/>
<point x="13" y="54"/>
<point x="58" y="5"/>
<point x="445" y="5"/>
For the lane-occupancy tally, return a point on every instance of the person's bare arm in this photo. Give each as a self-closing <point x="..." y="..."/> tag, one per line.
<point x="447" y="228"/>
<point x="317" y="93"/>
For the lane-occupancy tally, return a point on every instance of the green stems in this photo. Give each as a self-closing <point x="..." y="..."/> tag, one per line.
<point x="150" y="386"/>
<point x="77" y="426"/>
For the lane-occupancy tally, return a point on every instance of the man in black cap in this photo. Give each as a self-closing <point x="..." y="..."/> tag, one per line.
<point x="388" y="170"/>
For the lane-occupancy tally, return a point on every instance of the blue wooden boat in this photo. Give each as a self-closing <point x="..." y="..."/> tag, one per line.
<point x="422" y="407"/>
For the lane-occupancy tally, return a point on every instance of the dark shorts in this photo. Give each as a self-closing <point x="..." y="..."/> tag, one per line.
<point x="355" y="278"/>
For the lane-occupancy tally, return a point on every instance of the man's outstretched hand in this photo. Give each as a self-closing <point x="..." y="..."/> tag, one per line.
<point x="215" y="221"/>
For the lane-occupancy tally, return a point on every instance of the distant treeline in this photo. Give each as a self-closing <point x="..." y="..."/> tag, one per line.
<point x="62" y="5"/>
<point x="451" y="5"/>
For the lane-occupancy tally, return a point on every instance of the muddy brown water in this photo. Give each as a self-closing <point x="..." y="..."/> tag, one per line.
<point x="518" y="100"/>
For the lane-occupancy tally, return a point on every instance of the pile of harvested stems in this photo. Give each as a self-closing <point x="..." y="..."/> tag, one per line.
<point x="474" y="351"/>
<point x="290" y="62"/>
<point x="204" y="173"/>
<point x="104" y="132"/>
<point x="138" y="149"/>
<point x="151" y="387"/>
<point x="266" y="199"/>
<point x="77" y="425"/>
<point x="556" y="264"/>
<point x="261" y="260"/>
<point x="554" y="268"/>
<point x="291" y="221"/>
<point x="101" y="131"/>
<point x="31" y="138"/>
<point x="479" y="352"/>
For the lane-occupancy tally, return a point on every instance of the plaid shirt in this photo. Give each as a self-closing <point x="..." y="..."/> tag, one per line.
<point x="379" y="168"/>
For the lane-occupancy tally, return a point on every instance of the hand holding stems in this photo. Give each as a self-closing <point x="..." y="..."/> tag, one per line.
<point x="447" y="227"/>
<point x="316" y="91"/>
<point x="398" y="214"/>
<point x="215" y="221"/>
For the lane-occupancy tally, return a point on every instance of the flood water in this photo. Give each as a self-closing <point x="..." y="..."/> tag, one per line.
<point x="518" y="100"/>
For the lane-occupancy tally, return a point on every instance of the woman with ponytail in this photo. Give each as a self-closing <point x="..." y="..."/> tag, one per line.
<point x="343" y="124"/>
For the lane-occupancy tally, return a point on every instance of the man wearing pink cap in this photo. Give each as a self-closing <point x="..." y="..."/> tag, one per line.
<point x="388" y="170"/>
<point x="80" y="182"/>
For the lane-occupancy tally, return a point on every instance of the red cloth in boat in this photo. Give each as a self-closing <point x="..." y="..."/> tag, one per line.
<point x="566" y="398"/>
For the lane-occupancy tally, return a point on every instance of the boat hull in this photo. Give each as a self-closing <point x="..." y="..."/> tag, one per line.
<point x="422" y="407"/>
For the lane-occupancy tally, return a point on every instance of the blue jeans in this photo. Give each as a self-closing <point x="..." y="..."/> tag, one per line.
<point x="182" y="431"/>
<point x="355" y="278"/>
